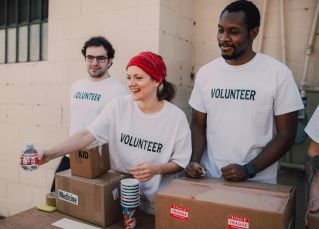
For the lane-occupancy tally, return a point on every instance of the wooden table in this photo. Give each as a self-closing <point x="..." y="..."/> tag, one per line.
<point x="34" y="219"/>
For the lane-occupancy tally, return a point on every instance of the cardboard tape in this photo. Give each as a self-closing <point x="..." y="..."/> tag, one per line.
<point x="51" y="199"/>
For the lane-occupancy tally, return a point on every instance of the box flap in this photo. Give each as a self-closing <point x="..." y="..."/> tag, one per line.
<point x="254" y="185"/>
<point x="265" y="197"/>
<point x="110" y="176"/>
<point x="245" y="200"/>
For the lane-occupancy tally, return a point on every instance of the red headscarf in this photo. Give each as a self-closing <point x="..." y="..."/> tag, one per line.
<point x="150" y="63"/>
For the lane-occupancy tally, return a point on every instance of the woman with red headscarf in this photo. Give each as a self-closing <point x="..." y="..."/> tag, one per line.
<point x="148" y="136"/>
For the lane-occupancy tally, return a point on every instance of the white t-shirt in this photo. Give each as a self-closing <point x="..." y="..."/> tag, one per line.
<point x="135" y="137"/>
<point x="88" y="99"/>
<point x="312" y="128"/>
<point x="240" y="102"/>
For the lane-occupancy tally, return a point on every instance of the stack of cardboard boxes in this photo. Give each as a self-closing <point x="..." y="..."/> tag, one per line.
<point x="89" y="191"/>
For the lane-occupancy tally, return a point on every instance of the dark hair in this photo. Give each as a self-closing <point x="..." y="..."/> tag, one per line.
<point x="250" y="10"/>
<point x="99" y="41"/>
<point x="167" y="92"/>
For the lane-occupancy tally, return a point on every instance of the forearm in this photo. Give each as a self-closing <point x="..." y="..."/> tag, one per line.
<point x="286" y="125"/>
<point x="273" y="151"/>
<point x="198" y="129"/>
<point x="73" y="143"/>
<point x="168" y="168"/>
<point x="313" y="153"/>
<point x="198" y="145"/>
<point x="313" y="149"/>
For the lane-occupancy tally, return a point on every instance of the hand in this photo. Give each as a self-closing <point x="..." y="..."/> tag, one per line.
<point x="42" y="157"/>
<point x="144" y="172"/>
<point x="313" y="204"/>
<point x="234" y="172"/>
<point x="195" y="170"/>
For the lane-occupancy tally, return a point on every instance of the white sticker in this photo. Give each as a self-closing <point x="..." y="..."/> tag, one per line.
<point x="236" y="222"/>
<point x="68" y="197"/>
<point x="115" y="194"/>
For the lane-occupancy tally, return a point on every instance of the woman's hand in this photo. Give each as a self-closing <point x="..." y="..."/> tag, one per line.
<point x="144" y="172"/>
<point x="42" y="157"/>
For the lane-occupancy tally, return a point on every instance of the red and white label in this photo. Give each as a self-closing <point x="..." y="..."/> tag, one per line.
<point x="179" y="212"/>
<point x="235" y="222"/>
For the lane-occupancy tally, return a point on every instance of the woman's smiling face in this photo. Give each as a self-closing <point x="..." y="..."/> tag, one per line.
<point x="141" y="85"/>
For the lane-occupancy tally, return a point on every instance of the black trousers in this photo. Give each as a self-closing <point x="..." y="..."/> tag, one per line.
<point x="64" y="165"/>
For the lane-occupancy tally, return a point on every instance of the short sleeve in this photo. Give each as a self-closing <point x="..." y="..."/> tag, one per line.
<point x="287" y="94"/>
<point x="312" y="128"/>
<point x="196" y="99"/>
<point x="183" y="146"/>
<point x="100" y="127"/>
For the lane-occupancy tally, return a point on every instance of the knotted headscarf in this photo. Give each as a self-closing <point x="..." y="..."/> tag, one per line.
<point x="150" y="63"/>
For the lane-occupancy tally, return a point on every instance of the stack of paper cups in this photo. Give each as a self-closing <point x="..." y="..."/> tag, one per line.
<point x="130" y="200"/>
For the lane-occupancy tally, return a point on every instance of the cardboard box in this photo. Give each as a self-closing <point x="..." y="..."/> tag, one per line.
<point x="94" y="200"/>
<point x="215" y="203"/>
<point x="313" y="220"/>
<point x="89" y="163"/>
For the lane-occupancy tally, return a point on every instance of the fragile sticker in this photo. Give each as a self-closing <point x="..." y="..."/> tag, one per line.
<point x="179" y="212"/>
<point x="235" y="222"/>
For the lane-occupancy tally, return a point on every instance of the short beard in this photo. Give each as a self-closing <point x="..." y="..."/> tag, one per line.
<point x="233" y="56"/>
<point x="98" y="75"/>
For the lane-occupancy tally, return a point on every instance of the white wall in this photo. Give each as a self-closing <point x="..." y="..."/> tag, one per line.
<point x="175" y="45"/>
<point x="34" y="97"/>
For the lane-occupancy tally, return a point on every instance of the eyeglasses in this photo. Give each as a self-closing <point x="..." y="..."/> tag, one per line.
<point x="99" y="59"/>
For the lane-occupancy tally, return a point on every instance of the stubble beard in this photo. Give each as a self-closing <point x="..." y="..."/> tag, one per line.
<point x="98" y="74"/>
<point x="234" y="55"/>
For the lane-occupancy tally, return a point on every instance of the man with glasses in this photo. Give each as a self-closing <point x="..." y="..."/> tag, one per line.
<point x="89" y="95"/>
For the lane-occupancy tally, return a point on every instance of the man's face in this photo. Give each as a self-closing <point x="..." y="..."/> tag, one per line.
<point x="233" y="36"/>
<point x="97" y="62"/>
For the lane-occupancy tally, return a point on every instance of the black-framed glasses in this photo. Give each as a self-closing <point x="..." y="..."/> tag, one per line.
<point x="99" y="59"/>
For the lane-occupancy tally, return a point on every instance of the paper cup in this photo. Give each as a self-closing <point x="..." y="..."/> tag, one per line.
<point x="130" y="205"/>
<point x="130" y="182"/>
<point x="129" y="191"/>
<point x="137" y="195"/>
<point x="129" y="217"/>
<point x="132" y="200"/>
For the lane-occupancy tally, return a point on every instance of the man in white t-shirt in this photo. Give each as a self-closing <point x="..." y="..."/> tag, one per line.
<point x="244" y="105"/>
<point x="89" y="95"/>
<point x="312" y="129"/>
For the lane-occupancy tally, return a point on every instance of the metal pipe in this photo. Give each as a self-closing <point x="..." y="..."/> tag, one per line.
<point x="312" y="88"/>
<point x="292" y="166"/>
<point x="309" y="47"/>
<point x="283" y="52"/>
<point x="283" y="35"/>
<point x="262" y="26"/>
